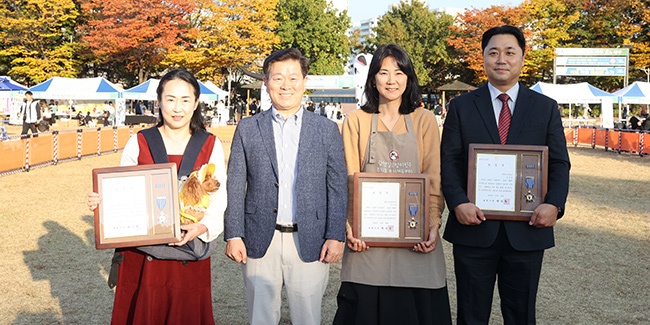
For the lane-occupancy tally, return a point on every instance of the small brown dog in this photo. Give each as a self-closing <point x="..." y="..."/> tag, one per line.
<point x="195" y="194"/>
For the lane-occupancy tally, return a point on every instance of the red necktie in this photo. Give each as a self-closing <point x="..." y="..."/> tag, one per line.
<point x="504" y="118"/>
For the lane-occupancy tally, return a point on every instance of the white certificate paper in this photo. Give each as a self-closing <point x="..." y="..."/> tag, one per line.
<point x="380" y="209"/>
<point x="496" y="176"/>
<point x="124" y="205"/>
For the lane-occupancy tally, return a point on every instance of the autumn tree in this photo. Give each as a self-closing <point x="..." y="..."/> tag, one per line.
<point x="636" y="30"/>
<point x="318" y="30"/>
<point x="37" y="39"/>
<point x="549" y="22"/>
<point x="599" y="26"/>
<point x="229" y="34"/>
<point x="137" y="34"/>
<point x="423" y="34"/>
<point x="466" y="37"/>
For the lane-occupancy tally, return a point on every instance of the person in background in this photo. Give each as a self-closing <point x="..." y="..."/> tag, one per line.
<point x="503" y="111"/>
<point x="88" y="120"/>
<point x="30" y="113"/>
<point x="239" y="110"/>
<point x="111" y="113"/>
<point x="152" y="290"/>
<point x="391" y="133"/>
<point x="253" y="107"/>
<point x="287" y="197"/>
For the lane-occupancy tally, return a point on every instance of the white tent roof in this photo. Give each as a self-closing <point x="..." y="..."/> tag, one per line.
<point x="636" y="93"/>
<point x="221" y="93"/>
<point x="70" y="88"/>
<point x="143" y="91"/>
<point x="572" y="93"/>
<point x="147" y="91"/>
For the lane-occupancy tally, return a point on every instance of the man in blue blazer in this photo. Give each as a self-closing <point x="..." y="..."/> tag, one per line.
<point x="513" y="250"/>
<point x="287" y="200"/>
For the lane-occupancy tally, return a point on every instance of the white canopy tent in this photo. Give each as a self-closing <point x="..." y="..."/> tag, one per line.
<point x="79" y="89"/>
<point x="147" y="91"/>
<point x="222" y="94"/>
<point x="143" y="91"/>
<point x="636" y="93"/>
<point x="580" y="93"/>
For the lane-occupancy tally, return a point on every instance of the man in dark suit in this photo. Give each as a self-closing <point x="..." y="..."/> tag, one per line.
<point x="287" y="198"/>
<point x="513" y="250"/>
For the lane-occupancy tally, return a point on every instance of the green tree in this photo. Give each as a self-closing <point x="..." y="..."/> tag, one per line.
<point x="599" y="26"/>
<point x="317" y="30"/>
<point x="423" y="34"/>
<point x="37" y="39"/>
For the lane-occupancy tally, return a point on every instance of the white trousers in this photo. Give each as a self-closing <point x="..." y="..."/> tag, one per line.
<point x="305" y="283"/>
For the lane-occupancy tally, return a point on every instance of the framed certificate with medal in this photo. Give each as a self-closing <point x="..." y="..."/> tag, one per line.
<point x="391" y="210"/>
<point x="507" y="182"/>
<point x="139" y="206"/>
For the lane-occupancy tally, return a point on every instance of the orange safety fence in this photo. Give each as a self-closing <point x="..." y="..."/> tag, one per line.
<point x="630" y="142"/>
<point x="123" y="135"/>
<point x="107" y="139"/>
<point x="586" y="136"/>
<point x="20" y="153"/>
<point x="601" y="138"/>
<point x="41" y="149"/>
<point x="89" y="142"/>
<point x="67" y="145"/>
<point x="13" y="154"/>
<point x="613" y="139"/>
<point x="619" y="140"/>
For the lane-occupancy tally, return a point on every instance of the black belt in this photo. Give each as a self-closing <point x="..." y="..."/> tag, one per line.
<point x="286" y="228"/>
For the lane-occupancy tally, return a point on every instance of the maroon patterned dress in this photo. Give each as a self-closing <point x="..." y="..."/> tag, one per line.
<point x="151" y="291"/>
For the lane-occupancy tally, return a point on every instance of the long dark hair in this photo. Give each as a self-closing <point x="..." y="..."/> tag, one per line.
<point x="196" y="123"/>
<point x="411" y="97"/>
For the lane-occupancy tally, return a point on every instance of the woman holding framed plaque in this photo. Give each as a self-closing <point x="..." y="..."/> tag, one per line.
<point x="153" y="285"/>
<point x="391" y="134"/>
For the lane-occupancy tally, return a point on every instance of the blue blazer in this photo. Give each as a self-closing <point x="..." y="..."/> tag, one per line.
<point x="470" y="119"/>
<point x="321" y="185"/>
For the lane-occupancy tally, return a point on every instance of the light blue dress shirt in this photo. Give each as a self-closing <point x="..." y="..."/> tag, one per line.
<point x="286" y="133"/>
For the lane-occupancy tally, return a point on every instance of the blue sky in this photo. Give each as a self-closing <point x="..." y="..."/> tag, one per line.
<point x="365" y="9"/>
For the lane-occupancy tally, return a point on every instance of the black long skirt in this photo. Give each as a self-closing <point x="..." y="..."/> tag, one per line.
<point x="366" y="304"/>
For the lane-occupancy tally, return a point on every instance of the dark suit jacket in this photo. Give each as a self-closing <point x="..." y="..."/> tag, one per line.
<point x="321" y="185"/>
<point x="470" y="119"/>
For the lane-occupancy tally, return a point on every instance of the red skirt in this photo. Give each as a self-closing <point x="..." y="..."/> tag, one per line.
<point x="151" y="291"/>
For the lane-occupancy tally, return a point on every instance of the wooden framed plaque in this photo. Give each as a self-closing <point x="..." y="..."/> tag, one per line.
<point x="391" y="210"/>
<point x="507" y="182"/>
<point x="139" y="206"/>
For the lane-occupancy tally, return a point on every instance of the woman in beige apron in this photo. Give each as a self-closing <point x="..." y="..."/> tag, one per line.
<point x="390" y="135"/>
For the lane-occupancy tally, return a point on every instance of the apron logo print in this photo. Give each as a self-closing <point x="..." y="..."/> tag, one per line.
<point x="393" y="155"/>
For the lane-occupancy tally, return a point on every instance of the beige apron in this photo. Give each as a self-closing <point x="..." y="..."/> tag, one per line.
<point x="397" y="267"/>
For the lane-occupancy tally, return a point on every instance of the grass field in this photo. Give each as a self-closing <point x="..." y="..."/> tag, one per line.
<point x="597" y="274"/>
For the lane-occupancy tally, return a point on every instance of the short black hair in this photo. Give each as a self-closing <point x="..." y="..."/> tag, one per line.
<point x="29" y="93"/>
<point x="411" y="97"/>
<point x="285" y="55"/>
<point x="504" y="29"/>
